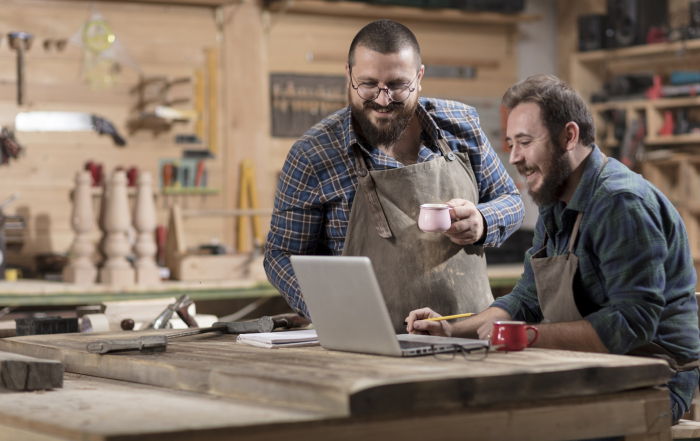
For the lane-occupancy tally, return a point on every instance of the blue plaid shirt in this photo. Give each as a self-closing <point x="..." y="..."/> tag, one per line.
<point x="636" y="279"/>
<point x="318" y="184"/>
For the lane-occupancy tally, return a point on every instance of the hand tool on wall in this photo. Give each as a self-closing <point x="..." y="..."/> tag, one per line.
<point x="66" y="122"/>
<point x="212" y="55"/>
<point x="248" y="198"/>
<point x="9" y="148"/>
<point x="7" y="222"/>
<point x="159" y="343"/>
<point x="20" y="42"/>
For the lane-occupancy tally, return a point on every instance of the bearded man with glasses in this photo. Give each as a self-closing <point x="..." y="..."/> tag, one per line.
<point x="353" y="185"/>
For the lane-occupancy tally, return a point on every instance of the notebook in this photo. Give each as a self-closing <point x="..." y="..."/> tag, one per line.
<point x="349" y="312"/>
<point x="305" y="337"/>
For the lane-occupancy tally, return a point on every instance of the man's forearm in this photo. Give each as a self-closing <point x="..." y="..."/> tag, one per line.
<point x="467" y="328"/>
<point x="574" y="336"/>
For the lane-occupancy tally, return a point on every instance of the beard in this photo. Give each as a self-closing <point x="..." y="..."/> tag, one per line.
<point x="388" y="130"/>
<point x="555" y="175"/>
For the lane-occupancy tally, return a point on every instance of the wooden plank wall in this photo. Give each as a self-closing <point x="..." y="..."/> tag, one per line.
<point x="171" y="40"/>
<point x="163" y="40"/>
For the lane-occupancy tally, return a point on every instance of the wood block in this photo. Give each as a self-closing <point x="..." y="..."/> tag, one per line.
<point x="19" y="372"/>
<point x="147" y="276"/>
<point x="80" y="276"/>
<point x="118" y="276"/>
<point x="686" y="429"/>
<point x="212" y="267"/>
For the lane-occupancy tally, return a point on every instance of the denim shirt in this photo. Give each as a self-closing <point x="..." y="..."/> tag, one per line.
<point x="636" y="279"/>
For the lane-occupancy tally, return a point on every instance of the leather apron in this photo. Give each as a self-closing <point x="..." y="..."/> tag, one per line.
<point x="416" y="269"/>
<point x="554" y="278"/>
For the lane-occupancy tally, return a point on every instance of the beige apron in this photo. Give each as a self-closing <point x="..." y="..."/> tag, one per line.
<point x="554" y="279"/>
<point x="417" y="269"/>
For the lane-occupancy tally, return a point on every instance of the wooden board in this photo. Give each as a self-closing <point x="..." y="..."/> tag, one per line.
<point x="19" y="372"/>
<point x="341" y="384"/>
<point x="114" y="410"/>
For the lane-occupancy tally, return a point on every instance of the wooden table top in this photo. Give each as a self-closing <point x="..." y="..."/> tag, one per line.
<point x="345" y="384"/>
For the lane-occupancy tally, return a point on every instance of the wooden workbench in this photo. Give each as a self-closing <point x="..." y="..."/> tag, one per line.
<point x="317" y="394"/>
<point x="26" y="292"/>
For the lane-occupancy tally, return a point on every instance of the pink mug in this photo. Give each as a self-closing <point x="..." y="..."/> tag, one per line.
<point x="511" y="336"/>
<point x="434" y="218"/>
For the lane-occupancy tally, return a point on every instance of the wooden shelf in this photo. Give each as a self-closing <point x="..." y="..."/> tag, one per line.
<point x="365" y="10"/>
<point x="690" y="138"/>
<point x="191" y="190"/>
<point x="97" y="191"/>
<point x="661" y="103"/>
<point x="610" y="105"/>
<point x="643" y="51"/>
<point x="670" y="103"/>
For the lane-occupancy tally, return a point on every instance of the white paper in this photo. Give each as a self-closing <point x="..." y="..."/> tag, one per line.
<point x="274" y="339"/>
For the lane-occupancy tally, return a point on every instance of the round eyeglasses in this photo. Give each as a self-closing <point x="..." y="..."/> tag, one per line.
<point x="396" y="93"/>
<point x="447" y="352"/>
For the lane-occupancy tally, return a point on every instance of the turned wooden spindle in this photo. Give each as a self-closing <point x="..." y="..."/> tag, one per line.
<point x="81" y="270"/>
<point x="117" y="271"/>
<point x="102" y="257"/>
<point x="145" y="223"/>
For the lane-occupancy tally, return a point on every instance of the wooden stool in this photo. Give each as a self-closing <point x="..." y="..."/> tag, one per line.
<point x="686" y="429"/>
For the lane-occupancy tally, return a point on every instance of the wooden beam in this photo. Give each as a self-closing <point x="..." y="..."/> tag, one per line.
<point x="202" y="3"/>
<point x="358" y="9"/>
<point x="338" y="58"/>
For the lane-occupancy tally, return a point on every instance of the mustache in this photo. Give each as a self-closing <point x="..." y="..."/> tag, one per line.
<point x="374" y="106"/>
<point x="523" y="168"/>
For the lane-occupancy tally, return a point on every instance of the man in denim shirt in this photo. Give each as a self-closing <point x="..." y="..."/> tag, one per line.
<point x="610" y="269"/>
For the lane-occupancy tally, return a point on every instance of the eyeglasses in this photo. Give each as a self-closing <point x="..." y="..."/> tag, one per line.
<point x="397" y="93"/>
<point x="469" y="354"/>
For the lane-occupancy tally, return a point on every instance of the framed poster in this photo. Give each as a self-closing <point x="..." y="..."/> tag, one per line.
<point x="299" y="101"/>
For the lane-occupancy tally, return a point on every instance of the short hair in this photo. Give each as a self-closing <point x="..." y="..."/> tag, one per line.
<point x="559" y="104"/>
<point x="385" y="37"/>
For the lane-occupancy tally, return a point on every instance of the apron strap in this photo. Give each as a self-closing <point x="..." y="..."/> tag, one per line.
<point x="445" y="149"/>
<point x="574" y="233"/>
<point x="577" y="224"/>
<point x="370" y="192"/>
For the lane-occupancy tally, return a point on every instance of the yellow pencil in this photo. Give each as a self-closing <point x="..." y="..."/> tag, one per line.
<point x="448" y="317"/>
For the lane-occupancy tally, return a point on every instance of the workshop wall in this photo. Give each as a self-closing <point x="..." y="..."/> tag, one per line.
<point x="172" y="41"/>
<point x="165" y="41"/>
<point x="259" y="43"/>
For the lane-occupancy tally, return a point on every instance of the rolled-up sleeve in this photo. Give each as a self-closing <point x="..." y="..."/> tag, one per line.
<point x="296" y="224"/>
<point x="522" y="302"/>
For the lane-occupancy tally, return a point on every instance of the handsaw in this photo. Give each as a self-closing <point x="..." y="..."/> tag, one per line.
<point x="66" y="122"/>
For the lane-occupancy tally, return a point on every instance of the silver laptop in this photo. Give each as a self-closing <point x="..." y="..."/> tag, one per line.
<point x="349" y="313"/>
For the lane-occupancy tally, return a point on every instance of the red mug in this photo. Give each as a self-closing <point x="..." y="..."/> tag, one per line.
<point x="511" y="336"/>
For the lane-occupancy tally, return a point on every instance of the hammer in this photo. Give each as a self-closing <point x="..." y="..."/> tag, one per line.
<point x="20" y="41"/>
